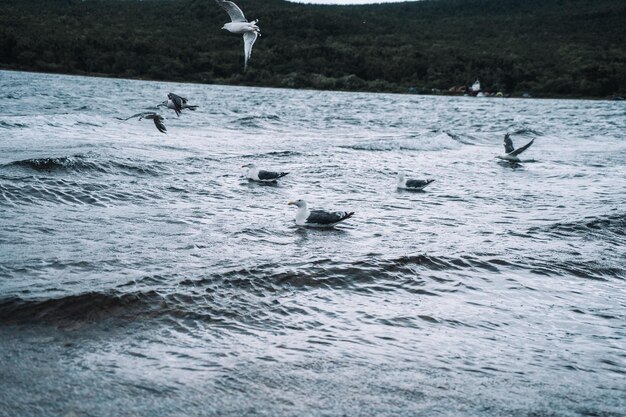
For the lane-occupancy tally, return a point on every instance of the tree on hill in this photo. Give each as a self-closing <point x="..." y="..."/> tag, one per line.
<point x="549" y="47"/>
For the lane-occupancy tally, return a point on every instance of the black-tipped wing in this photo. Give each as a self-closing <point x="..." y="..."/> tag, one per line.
<point x="271" y="175"/>
<point x="418" y="183"/>
<point x="158" y="122"/>
<point x="235" y="13"/>
<point x="522" y="149"/>
<point x="178" y="102"/>
<point x="508" y="145"/>
<point x="155" y="117"/>
<point x="327" y="217"/>
<point x="140" y="115"/>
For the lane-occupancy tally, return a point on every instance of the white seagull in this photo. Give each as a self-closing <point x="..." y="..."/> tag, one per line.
<point x="240" y="26"/>
<point x="510" y="152"/>
<point x="411" y="184"/>
<point x="177" y="103"/>
<point x="255" y="174"/>
<point x="318" y="218"/>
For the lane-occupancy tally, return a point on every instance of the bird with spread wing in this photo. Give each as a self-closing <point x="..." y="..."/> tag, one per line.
<point x="155" y="117"/>
<point x="177" y="103"/>
<point x="240" y="26"/>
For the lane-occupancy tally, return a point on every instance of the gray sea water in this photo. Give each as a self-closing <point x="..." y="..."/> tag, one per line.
<point x="141" y="274"/>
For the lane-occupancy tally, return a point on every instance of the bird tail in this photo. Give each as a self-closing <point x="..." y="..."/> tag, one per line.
<point x="282" y="174"/>
<point x="255" y="27"/>
<point x="346" y="215"/>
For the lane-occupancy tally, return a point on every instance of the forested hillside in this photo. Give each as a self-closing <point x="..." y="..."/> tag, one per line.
<point x="574" y="48"/>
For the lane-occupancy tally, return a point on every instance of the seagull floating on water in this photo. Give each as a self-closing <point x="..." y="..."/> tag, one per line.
<point x="510" y="152"/>
<point x="177" y="103"/>
<point x="318" y="218"/>
<point x="255" y="174"/>
<point x="155" y="117"/>
<point x="412" y="184"/>
<point x="241" y="26"/>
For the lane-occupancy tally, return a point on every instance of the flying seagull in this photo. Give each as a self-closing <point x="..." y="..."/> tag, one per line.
<point x="255" y="174"/>
<point x="318" y="218"/>
<point x="411" y="184"/>
<point x="240" y="26"/>
<point x="510" y="152"/>
<point x="155" y="117"/>
<point x="177" y="103"/>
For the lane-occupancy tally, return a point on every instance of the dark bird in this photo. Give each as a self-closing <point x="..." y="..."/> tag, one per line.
<point x="318" y="218"/>
<point x="411" y="184"/>
<point x="510" y="153"/>
<point x="155" y="117"/>
<point x="177" y="103"/>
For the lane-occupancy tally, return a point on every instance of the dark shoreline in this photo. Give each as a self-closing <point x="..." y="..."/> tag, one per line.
<point x="566" y="49"/>
<point x="441" y="94"/>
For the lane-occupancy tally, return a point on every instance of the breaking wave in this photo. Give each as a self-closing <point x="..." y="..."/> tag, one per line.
<point x="85" y="163"/>
<point x="428" y="142"/>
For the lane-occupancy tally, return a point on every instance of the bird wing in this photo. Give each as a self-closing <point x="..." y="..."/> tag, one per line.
<point x="248" y="40"/>
<point x="177" y="99"/>
<point x="327" y="217"/>
<point x="271" y="175"/>
<point x="508" y="145"/>
<point x="159" y="125"/>
<point x="158" y="122"/>
<point x="235" y="13"/>
<point x="522" y="149"/>
<point x="140" y="115"/>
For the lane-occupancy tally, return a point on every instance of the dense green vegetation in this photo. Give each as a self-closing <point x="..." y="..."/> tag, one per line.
<point x="573" y="48"/>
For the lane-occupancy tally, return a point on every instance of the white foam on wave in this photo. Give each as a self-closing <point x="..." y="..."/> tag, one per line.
<point x="430" y="141"/>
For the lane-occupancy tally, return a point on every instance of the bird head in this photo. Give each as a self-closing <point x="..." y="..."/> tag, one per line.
<point x="250" y="165"/>
<point x="297" y="203"/>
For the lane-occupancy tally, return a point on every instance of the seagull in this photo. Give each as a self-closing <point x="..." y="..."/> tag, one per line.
<point x="255" y="174"/>
<point x="411" y="184"/>
<point x="240" y="26"/>
<point x="155" y="117"/>
<point x="177" y="103"/>
<point x="510" y="152"/>
<point x="318" y="218"/>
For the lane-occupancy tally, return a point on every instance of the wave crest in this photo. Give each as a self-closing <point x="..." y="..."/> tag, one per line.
<point x="437" y="142"/>
<point x="88" y="163"/>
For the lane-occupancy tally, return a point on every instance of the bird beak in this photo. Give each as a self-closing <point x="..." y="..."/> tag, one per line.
<point x="291" y="202"/>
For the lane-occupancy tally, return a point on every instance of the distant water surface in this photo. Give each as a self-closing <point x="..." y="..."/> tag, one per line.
<point x="141" y="274"/>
